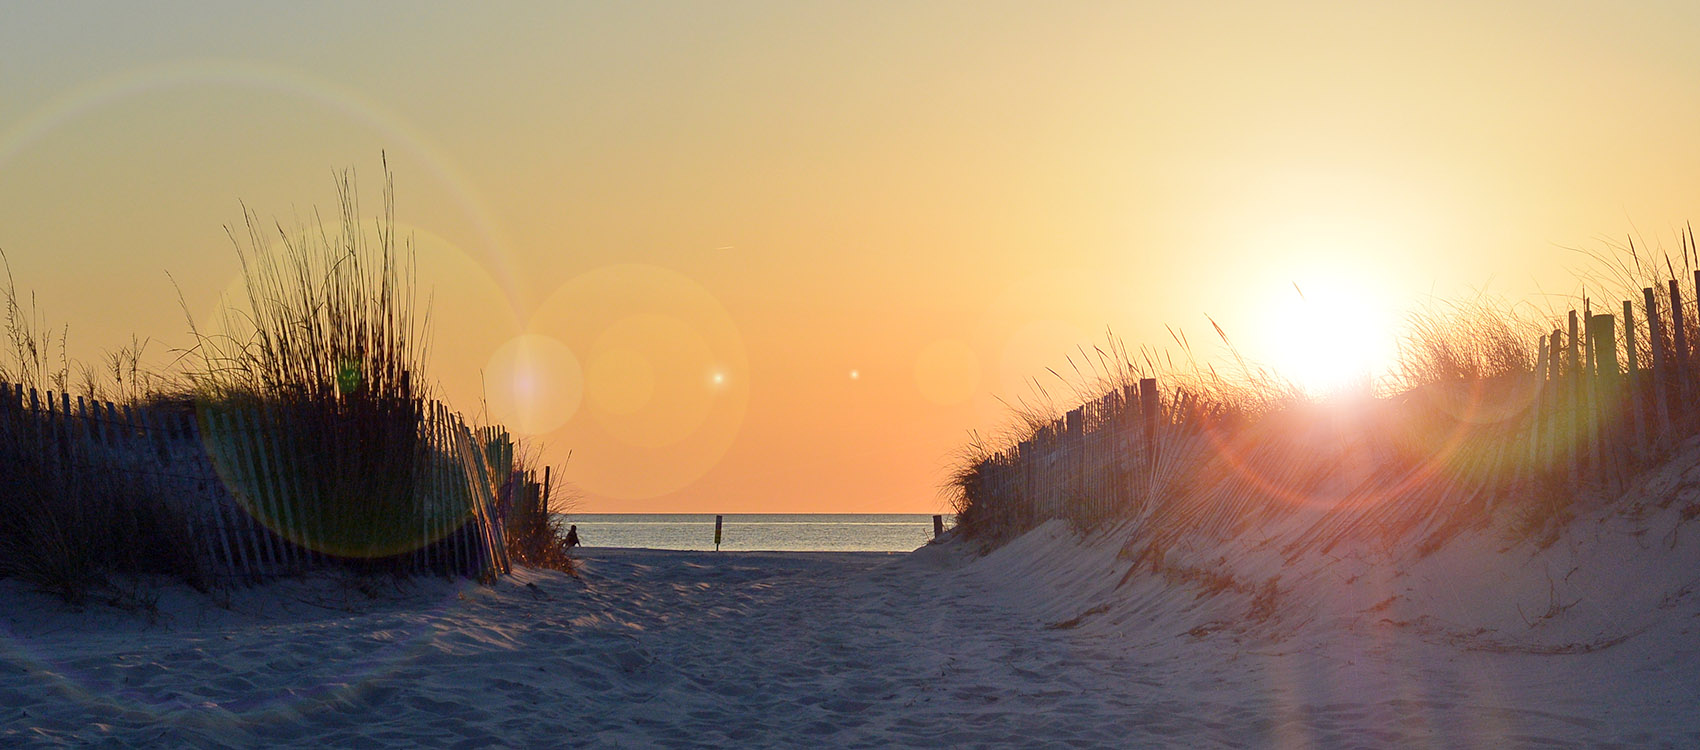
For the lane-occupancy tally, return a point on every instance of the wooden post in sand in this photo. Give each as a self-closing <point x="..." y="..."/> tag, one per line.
<point x="1073" y="496"/>
<point x="1124" y="446"/>
<point x="1573" y="392"/>
<point x="1608" y="394"/>
<point x="543" y="499"/>
<point x="1678" y="358"/>
<point x="1695" y="342"/>
<point x="1661" y="368"/>
<point x="1537" y="412"/>
<point x="938" y="525"/>
<point x="1150" y="409"/>
<point x="717" y="520"/>
<point x="1632" y="381"/>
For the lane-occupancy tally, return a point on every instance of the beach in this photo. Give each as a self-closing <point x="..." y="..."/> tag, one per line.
<point x="1031" y="644"/>
<point x="913" y="374"/>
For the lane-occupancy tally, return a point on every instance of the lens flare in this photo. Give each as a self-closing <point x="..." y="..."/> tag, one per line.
<point x="533" y="384"/>
<point x="667" y="379"/>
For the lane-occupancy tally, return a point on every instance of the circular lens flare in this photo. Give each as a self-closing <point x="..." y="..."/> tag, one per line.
<point x="534" y="384"/>
<point x="667" y="379"/>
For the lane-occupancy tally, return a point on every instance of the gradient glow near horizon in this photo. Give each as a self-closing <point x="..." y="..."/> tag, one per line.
<point x="784" y="256"/>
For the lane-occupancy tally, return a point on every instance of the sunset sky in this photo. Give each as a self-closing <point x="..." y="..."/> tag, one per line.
<point x="783" y="257"/>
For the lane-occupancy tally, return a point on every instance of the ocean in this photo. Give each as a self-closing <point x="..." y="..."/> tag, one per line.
<point x="750" y="532"/>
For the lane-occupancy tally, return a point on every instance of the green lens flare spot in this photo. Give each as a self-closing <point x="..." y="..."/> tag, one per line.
<point x="348" y="377"/>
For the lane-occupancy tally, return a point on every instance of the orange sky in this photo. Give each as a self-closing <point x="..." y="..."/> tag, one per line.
<point x="616" y="203"/>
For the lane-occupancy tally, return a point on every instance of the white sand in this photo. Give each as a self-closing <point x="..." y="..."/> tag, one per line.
<point x="1034" y="644"/>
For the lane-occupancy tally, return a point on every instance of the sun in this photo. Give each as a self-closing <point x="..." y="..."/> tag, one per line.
<point x="1327" y="336"/>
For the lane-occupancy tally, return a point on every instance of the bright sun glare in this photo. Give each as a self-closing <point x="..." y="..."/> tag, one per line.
<point x="1330" y="336"/>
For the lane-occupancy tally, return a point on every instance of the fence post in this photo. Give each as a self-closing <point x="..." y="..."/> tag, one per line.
<point x="308" y="516"/>
<point x="264" y="558"/>
<point x="493" y="532"/>
<point x="272" y="524"/>
<point x="1150" y="407"/>
<point x="1661" y="368"/>
<point x="38" y="425"/>
<point x="1537" y="414"/>
<point x="210" y="538"/>
<point x="1021" y="486"/>
<point x="1088" y="478"/>
<point x="1125" y="451"/>
<point x="241" y="438"/>
<point x="461" y="504"/>
<point x="1633" y="386"/>
<point x="448" y="547"/>
<point x="272" y="470"/>
<point x="53" y="443"/>
<point x="426" y="489"/>
<point x="83" y="450"/>
<point x="474" y="526"/>
<point x="243" y="501"/>
<point x="431" y="499"/>
<point x="1695" y="362"/>
<point x="544" y="498"/>
<point x="229" y="531"/>
<point x="1679" y="349"/>
<point x="90" y="432"/>
<point x="1590" y="394"/>
<point x="66" y="427"/>
<point x="1573" y="394"/>
<point x="1074" y="453"/>
<point x="1607" y="399"/>
<point x="1035" y="489"/>
<point x="481" y="549"/>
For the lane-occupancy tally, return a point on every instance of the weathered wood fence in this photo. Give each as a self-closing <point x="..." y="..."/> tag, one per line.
<point x="238" y="477"/>
<point x="522" y="495"/>
<point x="1608" y="396"/>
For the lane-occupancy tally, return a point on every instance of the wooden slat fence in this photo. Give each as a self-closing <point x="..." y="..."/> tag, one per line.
<point x="240" y="483"/>
<point x="1608" y="396"/>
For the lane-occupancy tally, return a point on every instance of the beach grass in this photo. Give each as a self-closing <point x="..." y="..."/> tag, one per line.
<point x="326" y="354"/>
<point x="1456" y="416"/>
<point x="534" y="538"/>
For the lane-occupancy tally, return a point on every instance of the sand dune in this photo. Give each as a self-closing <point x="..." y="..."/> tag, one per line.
<point x="1033" y="644"/>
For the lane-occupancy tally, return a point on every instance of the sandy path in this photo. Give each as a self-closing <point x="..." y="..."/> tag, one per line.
<point x="663" y="649"/>
<point x="865" y="650"/>
<point x="652" y="649"/>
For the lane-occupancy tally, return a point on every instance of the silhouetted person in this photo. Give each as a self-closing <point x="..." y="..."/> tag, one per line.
<point x="572" y="536"/>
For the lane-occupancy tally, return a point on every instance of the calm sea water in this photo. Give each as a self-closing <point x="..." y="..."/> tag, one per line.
<point x="800" y="532"/>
